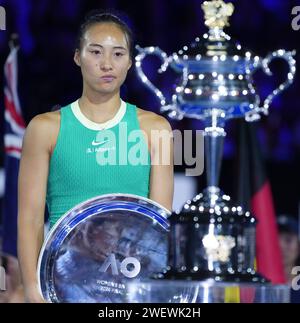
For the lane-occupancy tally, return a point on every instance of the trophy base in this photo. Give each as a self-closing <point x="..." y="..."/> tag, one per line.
<point x="212" y="238"/>
<point x="240" y="277"/>
<point x="209" y="291"/>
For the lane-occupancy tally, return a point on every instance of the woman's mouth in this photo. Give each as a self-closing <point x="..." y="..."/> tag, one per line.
<point x="107" y="78"/>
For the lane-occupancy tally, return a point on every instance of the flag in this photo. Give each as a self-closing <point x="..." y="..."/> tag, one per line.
<point x="14" y="128"/>
<point x="254" y="194"/>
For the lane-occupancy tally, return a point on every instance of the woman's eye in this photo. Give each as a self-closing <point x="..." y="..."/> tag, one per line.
<point x="95" y="52"/>
<point x="119" y="54"/>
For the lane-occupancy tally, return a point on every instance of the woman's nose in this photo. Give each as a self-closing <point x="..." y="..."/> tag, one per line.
<point x="106" y="64"/>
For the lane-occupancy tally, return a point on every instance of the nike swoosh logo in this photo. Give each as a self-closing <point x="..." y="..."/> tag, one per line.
<point x="96" y="143"/>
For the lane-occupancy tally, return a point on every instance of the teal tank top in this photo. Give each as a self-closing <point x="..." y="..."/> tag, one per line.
<point x="91" y="159"/>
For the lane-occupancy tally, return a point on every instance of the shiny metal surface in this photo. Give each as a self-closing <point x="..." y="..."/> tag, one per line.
<point x="215" y="72"/>
<point x="209" y="291"/>
<point x="213" y="238"/>
<point x="99" y="245"/>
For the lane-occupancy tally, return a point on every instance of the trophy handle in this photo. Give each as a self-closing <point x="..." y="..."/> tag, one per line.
<point x="143" y="52"/>
<point x="288" y="57"/>
<point x="165" y="107"/>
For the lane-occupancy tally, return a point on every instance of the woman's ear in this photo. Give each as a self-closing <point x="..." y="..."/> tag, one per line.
<point x="130" y="64"/>
<point x="77" y="57"/>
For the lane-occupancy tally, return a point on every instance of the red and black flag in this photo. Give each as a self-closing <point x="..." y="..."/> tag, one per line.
<point x="254" y="194"/>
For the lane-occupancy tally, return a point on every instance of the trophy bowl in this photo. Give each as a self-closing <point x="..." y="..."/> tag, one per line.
<point x="98" y="246"/>
<point x="215" y="72"/>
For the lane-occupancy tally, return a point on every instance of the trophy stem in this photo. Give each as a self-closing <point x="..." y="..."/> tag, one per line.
<point x="214" y="141"/>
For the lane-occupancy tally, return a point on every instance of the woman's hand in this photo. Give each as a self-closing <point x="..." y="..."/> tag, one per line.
<point x="32" y="295"/>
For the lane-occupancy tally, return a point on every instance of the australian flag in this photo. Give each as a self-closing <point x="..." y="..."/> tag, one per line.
<point x="14" y="129"/>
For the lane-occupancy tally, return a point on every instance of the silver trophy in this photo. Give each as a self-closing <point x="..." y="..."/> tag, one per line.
<point x="100" y="245"/>
<point x="211" y="237"/>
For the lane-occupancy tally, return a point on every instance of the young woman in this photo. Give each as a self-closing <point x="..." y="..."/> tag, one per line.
<point x="76" y="153"/>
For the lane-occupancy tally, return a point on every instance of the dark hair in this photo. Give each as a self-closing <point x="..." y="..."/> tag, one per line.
<point x="287" y="224"/>
<point x="99" y="16"/>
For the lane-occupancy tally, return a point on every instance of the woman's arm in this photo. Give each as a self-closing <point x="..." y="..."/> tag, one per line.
<point x="32" y="186"/>
<point x="162" y="172"/>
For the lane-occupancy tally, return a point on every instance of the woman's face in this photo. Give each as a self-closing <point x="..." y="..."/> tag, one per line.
<point x="100" y="239"/>
<point x="104" y="58"/>
<point x="290" y="248"/>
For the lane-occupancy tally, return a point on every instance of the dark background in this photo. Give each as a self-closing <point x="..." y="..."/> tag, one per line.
<point x="48" y="75"/>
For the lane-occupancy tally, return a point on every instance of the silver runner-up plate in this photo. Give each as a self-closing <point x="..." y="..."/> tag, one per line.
<point x="100" y="245"/>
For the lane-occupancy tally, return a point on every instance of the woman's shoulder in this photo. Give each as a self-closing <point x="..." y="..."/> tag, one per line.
<point x="45" y="120"/>
<point x="152" y="121"/>
<point x="44" y="128"/>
